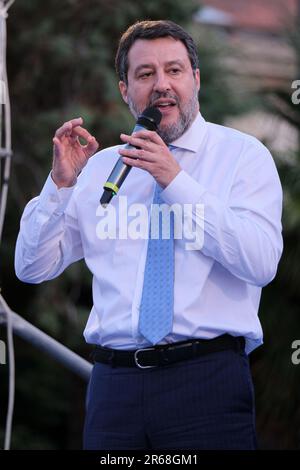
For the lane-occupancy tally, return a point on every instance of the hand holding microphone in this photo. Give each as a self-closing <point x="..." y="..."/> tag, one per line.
<point x="149" y="120"/>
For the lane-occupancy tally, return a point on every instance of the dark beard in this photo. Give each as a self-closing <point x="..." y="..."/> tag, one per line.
<point x="171" y="132"/>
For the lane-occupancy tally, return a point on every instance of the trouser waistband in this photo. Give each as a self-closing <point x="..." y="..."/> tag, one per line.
<point x="160" y="355"/>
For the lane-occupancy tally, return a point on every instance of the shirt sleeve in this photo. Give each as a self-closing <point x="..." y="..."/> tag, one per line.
<point x="49" y="238"/>
<point x="242" y="233"/>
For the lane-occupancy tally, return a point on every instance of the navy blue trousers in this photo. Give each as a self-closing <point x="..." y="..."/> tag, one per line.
<point x="202" y="403"/>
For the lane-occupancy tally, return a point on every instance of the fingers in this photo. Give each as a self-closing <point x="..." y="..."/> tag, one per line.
<point x="136" y="154"/>
<point x="92" y="143"/>
<point x="72" y="129"/>
<point x="148" y="150"/>
<point x="91" y="146"/>
<point x="146" y="141"/>
<point x="137" y="142"/>
<point x="67" y="127"/>
<point x="81" y="132"/>
<point x="135" y="162"/>
<point x="150" y="136"/>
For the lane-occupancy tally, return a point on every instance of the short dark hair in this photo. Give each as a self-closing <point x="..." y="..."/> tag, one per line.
<point x="152" y="30"/>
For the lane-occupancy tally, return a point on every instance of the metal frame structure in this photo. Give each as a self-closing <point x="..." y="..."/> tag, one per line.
<point x="44" y="342"/>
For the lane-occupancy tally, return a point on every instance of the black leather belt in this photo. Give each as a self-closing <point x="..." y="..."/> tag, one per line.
<point x="145" y="358"/>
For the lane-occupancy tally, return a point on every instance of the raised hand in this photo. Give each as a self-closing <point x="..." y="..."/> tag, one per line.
<point x="69" y="155"/>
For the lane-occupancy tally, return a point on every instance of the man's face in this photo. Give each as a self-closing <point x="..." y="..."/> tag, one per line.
<point x="160" y="75"/>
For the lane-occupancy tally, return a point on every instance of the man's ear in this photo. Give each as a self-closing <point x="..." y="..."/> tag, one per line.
<point x="123" y="90"/>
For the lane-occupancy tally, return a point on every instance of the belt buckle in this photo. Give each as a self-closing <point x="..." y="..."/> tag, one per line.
<point x="136" y="358"/>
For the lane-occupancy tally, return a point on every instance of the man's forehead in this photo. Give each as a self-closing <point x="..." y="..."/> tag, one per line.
<point x="166" y="49"/>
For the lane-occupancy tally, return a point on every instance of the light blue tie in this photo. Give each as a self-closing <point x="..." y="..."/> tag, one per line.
<point x="156" y="309"/>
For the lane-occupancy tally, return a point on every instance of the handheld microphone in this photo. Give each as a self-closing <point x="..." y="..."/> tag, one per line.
<point x="149" y="119"/>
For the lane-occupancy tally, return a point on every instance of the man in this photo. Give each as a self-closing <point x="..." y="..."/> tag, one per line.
<point x="191" y="386"/>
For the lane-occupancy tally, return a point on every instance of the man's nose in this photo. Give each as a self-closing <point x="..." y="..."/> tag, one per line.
<point x="162" y="82"/>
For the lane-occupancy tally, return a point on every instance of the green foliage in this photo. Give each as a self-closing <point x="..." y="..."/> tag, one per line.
<point x="277" y="379"/>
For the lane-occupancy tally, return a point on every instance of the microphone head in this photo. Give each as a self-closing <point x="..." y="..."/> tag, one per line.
<point x="150" y="118"/>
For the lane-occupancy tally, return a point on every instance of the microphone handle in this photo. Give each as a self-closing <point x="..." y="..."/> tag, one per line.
<point x="118" y="175"/>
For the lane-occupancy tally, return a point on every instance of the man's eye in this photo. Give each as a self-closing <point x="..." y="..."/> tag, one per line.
<point x="174" y="71"/>
<point x="145" y="74"/>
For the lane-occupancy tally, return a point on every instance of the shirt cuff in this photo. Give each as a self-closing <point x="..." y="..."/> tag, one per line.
<point x="183" y="189"/>
<point x="53" y="199"/>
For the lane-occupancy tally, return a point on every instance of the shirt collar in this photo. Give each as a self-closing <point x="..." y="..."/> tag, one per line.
<point x="193" y="136"/>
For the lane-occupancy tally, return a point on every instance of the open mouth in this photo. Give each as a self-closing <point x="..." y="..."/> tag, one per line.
<point x="164" y="105"/>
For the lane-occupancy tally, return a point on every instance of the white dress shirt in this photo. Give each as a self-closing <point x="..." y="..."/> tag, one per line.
<point x="217" y="287"/>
